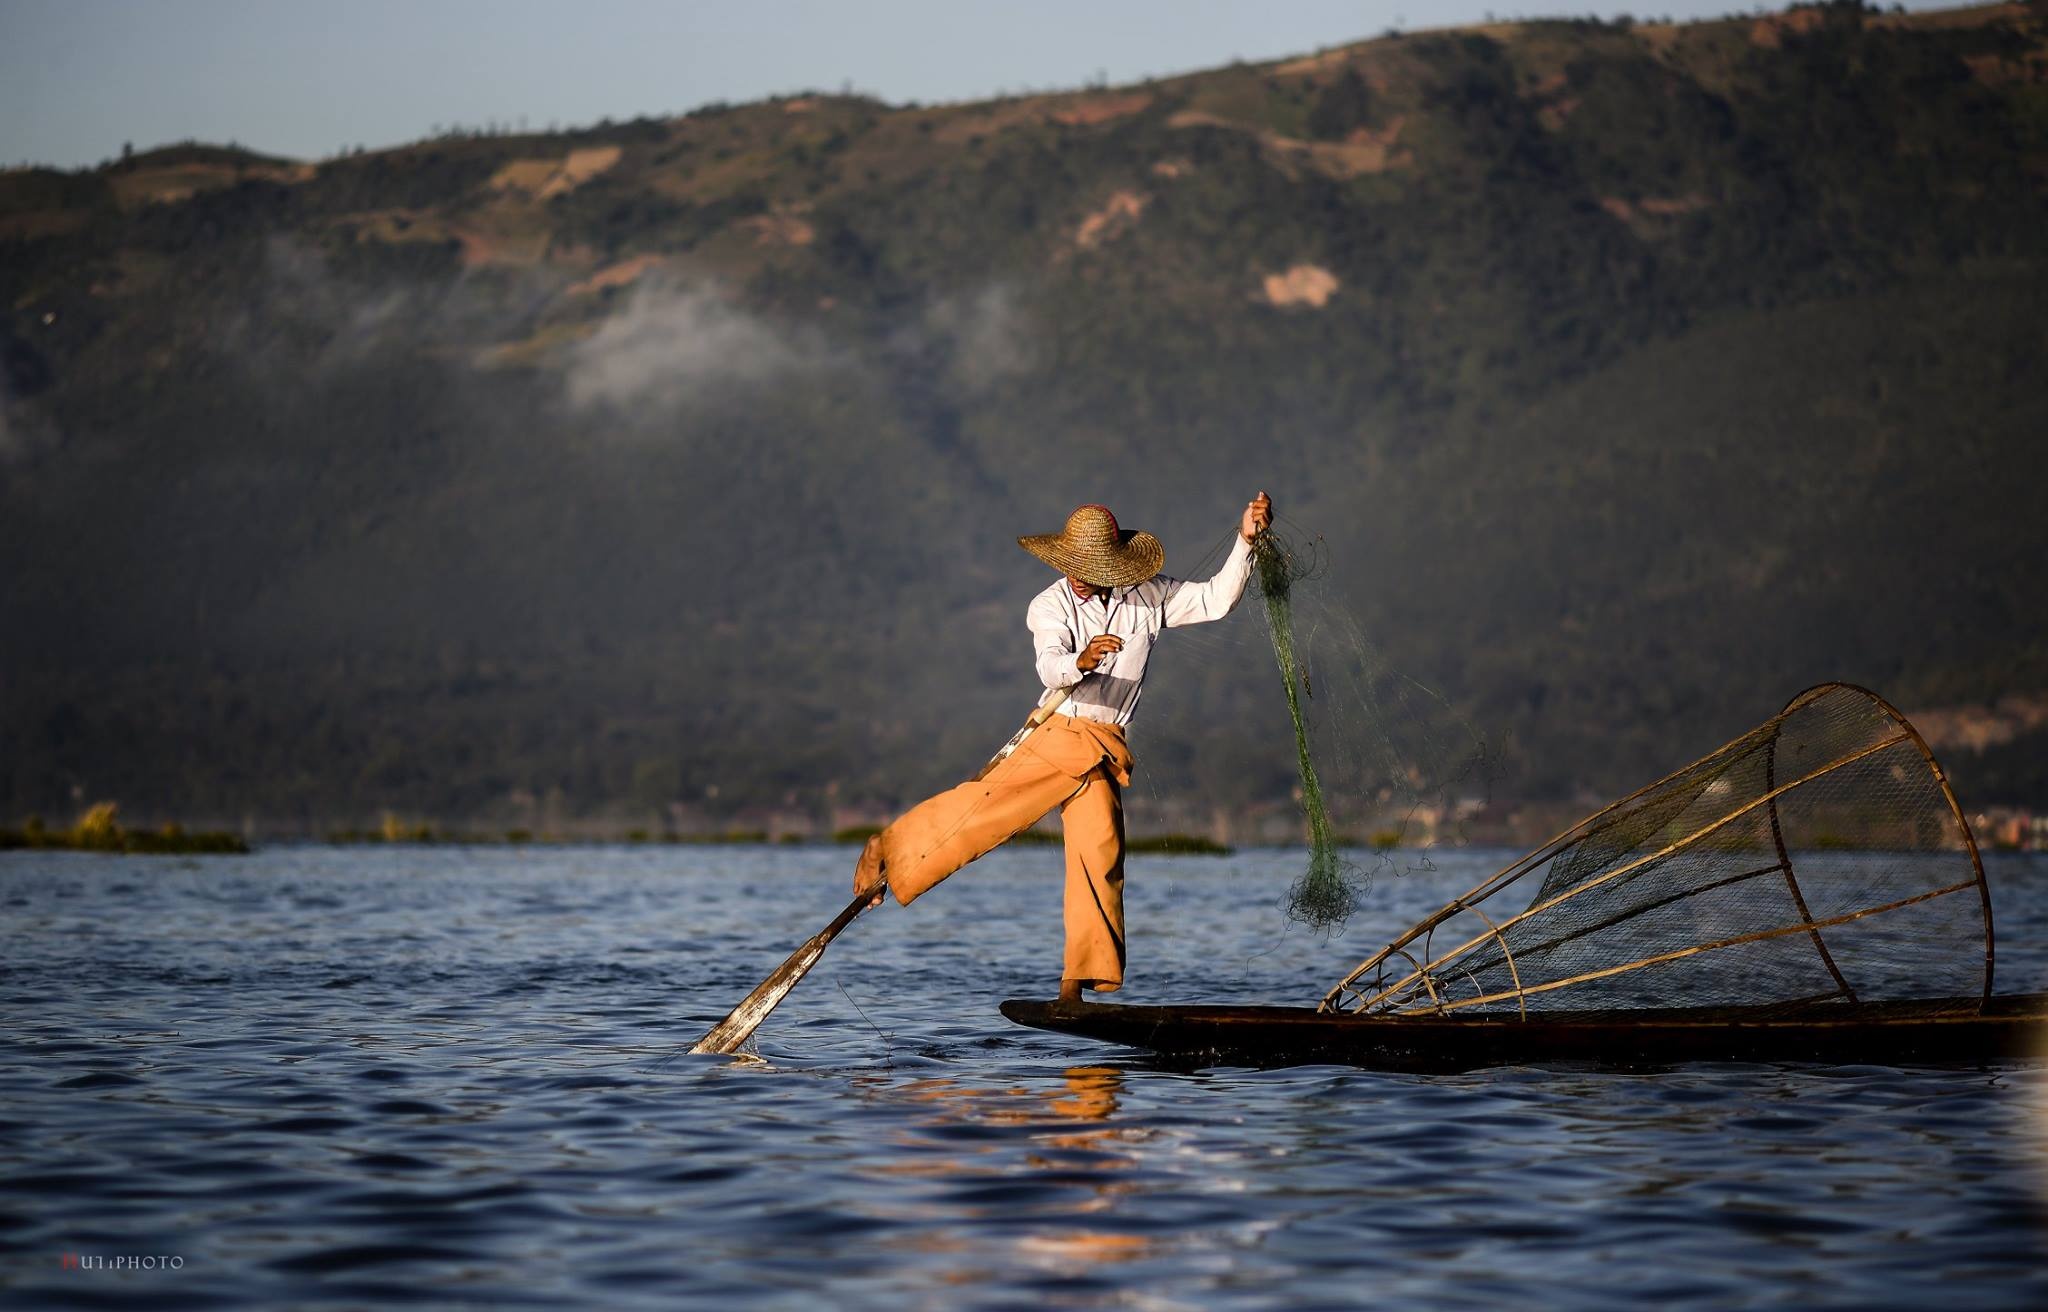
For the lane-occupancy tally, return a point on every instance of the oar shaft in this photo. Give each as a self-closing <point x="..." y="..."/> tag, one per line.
<point x="1036" y="718"/>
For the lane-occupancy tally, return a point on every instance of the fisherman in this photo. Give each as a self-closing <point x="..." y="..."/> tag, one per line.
<point x="1092" y="633"/>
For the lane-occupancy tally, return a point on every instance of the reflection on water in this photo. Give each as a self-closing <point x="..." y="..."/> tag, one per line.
<point x="338" y="1078"/>
<point x="1084" y="1160"/>
<point x="1091" y="1093"/>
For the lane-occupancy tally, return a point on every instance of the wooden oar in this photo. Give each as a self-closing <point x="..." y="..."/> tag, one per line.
<point x="735" y="1029"/>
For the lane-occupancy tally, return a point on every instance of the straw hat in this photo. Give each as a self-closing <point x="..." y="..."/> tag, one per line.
<point x="1093" y="549"/>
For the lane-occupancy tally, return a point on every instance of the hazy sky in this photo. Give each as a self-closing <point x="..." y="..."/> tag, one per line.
<point x="80" y="77"/>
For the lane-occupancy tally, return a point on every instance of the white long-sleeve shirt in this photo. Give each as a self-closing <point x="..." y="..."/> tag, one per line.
<point x="1062" y="624"/>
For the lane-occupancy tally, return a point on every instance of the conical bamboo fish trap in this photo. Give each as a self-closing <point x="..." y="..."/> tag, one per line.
<point x="1817" y="862"/>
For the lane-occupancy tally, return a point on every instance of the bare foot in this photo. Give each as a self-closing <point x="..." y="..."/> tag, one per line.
<point x="1070" y="990"/>
<point x="868" y="873"/>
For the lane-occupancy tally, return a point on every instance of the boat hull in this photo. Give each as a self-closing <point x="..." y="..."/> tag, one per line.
<point x="2011" y="1028"/>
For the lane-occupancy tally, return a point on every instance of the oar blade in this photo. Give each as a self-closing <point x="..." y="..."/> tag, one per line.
<point x="734" y="1030"/>
<point x="740" y="1024"/>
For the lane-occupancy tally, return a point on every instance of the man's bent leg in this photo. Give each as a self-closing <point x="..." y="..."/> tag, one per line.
<point x="941" y="834"/>
<point x="1094" y="822"/>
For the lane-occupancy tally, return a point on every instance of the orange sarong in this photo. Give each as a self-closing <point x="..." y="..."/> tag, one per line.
<point x="1080" y="767"/>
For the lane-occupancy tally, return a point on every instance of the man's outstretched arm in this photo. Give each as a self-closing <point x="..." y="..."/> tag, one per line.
<point x="1198" y="603"/>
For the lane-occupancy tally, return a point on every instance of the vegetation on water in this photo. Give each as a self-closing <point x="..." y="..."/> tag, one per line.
<point x="1178" y="845"/>
<point x="1636" y="375"/>
<point x="395" y="830"/>
<point x="99" y="829"/>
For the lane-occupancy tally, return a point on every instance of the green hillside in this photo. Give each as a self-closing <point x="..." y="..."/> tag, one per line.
<point x="1633" y="377"/>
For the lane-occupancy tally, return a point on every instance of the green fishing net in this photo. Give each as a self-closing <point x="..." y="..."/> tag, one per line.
<point x="1324" y="897"/>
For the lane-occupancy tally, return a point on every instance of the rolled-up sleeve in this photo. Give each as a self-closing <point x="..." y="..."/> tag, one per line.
<point x="1052" y="640"/>
<point x="1198" y="603"/>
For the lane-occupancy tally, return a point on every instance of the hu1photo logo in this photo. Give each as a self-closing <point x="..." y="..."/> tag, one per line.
<point x="122" y="1262"/>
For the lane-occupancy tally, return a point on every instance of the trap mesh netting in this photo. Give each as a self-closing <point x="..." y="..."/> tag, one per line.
<point x="1817" y="861"/>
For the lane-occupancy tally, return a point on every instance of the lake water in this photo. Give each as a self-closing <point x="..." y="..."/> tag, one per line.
<point x="333" y="1077"/>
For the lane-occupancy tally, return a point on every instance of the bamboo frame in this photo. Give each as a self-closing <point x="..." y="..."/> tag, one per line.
<point x="1514" y="972"/>
<point x="1785" y="861"/>
<point x="1955" y="809"/>
<point x="1424" y="976"/>
<point x="1667" y="850"/>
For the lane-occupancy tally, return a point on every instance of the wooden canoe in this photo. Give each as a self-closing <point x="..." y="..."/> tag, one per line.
<point x="2010" y="1027"/>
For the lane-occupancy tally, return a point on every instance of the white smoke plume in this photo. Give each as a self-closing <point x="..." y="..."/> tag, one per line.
<point x="675" y="344"/>
<point x="307" y="322"/>
<point x="988" y="334"/>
